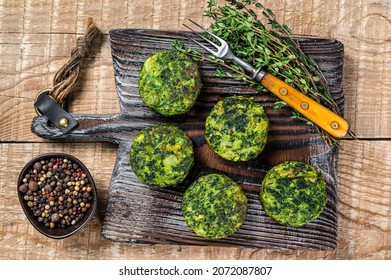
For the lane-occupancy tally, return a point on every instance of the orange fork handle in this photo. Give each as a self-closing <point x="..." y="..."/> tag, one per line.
<point x="320" y="115"/>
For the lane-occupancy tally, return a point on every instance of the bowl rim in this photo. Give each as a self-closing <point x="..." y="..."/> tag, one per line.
<point x="57" y="233"/>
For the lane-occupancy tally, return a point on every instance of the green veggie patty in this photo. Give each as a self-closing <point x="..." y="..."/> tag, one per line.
<point x="214" y="206"/>
<point x="293" y="193"/>
<point x="162" y="155"/>
<point x="237" y="128"/>
<point x="169" y="82"/>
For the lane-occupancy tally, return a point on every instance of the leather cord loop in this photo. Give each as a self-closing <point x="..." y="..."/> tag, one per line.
<point x="50" y="102"/>
<point x="65" y="79"/>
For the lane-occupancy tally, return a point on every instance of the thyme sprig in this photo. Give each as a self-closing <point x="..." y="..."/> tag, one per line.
<point x="254" y="35"/>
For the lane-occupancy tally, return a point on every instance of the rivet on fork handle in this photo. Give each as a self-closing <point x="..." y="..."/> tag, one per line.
<point x="320" y="115"/>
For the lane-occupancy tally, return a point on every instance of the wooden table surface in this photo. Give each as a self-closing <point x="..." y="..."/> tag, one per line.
<point x="36" y="38"/>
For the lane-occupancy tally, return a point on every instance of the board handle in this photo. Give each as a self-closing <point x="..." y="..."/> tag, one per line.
<point x="108" y="128"/>
<point x="320" y="115"/>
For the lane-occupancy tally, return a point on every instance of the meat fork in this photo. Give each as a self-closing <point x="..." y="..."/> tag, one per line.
<point x="320" y="115"/>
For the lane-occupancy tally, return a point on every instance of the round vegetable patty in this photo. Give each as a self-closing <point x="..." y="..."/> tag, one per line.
<point x="214" y="206"/>
<point x="293" y="193"/>
<point x="237" y="128"/>
<point x="162" y="155"/>
<point x="169" y="82"/>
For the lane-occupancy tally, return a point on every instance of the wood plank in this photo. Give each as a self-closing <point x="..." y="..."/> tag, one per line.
<point x="365" y="198"/>
<point x="363" y="26"/>
<point x="21" y="82"/>
<point x="363" y="207"/>
<point x="40" y="43"/>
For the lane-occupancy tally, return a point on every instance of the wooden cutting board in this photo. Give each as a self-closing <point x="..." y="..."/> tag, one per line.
<point x="138" y="213"/>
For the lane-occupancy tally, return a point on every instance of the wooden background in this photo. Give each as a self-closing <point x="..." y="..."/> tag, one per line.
<point x="36" y="38"/>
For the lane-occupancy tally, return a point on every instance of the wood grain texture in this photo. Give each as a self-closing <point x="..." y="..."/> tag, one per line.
<point x="138" y="213"/>
<point x="37" y="38"/>
<point x="35" y="41"/>
<point x="363" y="231"/>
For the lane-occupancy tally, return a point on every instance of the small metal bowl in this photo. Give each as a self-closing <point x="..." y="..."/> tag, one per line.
<point x="57" y="233"/>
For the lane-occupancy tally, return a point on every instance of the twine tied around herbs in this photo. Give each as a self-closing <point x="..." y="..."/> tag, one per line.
<point x="65" y="79"/>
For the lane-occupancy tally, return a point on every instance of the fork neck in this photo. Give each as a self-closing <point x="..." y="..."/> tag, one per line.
<point x="256" y="74"/>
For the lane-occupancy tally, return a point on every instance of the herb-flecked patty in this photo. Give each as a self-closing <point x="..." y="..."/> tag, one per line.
<point x="162" y="155"/>
<point x="237" y="128"/>
<point x="214" y="206"/>
<point x="293" y="193"/>
<point x="169" y="82"/>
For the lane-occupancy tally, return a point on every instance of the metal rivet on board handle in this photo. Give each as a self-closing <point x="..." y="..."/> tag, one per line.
<point x="48" y="107"/>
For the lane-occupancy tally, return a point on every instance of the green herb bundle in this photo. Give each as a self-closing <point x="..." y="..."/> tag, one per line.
<point x="255" y="36"/>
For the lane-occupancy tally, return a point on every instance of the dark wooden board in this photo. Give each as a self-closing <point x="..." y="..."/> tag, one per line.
<point x="138" y="213"/>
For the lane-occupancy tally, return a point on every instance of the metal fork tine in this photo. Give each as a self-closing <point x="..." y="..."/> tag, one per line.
<point x="220" y="48"/>
<point x="209" y="41"/>
<point x="207" y="31"/>
<point x="201" y="45"/>
<point x="199" y="35"/>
